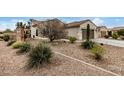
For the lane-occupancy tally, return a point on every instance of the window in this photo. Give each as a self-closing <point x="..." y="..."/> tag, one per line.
<point x="36" y="32"/>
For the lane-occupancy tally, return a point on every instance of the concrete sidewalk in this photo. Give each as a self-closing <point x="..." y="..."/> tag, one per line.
<point x="118" y="43"/>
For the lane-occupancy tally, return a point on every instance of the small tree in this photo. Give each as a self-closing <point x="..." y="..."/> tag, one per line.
<point x="53" y="30"/>
<point x="20" y="27"/>
<point x="115" y="35"/>
<point x="88" y="32"/>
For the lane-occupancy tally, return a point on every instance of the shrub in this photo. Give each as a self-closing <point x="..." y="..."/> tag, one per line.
<point x="72" y="39"/>
<point x="1" y="37"/>
<point x="115" y="35"/>
<point x="25" y="47"/>
<point x="98" y="51"/>
<point x="39" y="55"/>
<point x="6" y="37"/>
<point x="8" y="31"/>
<point x="11" y="42"/>
<point x="17" y="45"/>
<point x="1" y="32"/>
<point x="106" y="36"/>
<point x="87" y="44"/>
<point x="121" y="32"/>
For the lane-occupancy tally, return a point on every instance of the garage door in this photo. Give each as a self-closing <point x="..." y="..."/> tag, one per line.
<point x="103" y="33"/>
<point x="84" y="34"/>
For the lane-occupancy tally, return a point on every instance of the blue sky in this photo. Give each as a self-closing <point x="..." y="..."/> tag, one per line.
<point x="9" y="22"/>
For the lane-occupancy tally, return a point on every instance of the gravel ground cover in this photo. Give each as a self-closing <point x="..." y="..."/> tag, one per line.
<point x="15" y="65"/>
<point x="113" y="58"/>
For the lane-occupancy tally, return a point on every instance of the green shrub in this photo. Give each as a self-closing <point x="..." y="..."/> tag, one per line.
<point x="25" y="47"/>
<point x="72" y="39"/>
<point x="115" y="35"/>
<point x="17" y="45"/>
<point x="6" y="37"/>
<point x="121" y="32"/>
<point x="39" y="55"/>
<point x="10" y="42"/>
<point x="87" y="44"/>
<point x="98" y="51"/>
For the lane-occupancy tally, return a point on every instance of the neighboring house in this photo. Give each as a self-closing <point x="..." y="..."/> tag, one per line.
<point x="115" y="29"/>
<point x="37" y="26"/>
<point x="78" y="29"/>
<point x="102" y="31"/>
<point x="74" y="29"/>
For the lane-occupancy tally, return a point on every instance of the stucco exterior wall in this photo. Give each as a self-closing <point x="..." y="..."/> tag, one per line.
<point x="33" y="32"/>
<point x="73" y="32"/>
<point x="77" y="31"/>
<point x="103" y="31"/>
<point x="92" y="26"/>
<point x="98" y="34"/>
<point x="84" y="25"/>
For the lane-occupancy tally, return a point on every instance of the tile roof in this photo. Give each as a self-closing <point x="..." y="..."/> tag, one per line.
<point x="118" y="28"/>
<point x="77" y="24"/>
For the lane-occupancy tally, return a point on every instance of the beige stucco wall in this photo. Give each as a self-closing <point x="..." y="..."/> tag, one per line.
<point x="103" y="30"/>
<point x="77" y="32"/>
<point x="92" y="26"/>
<point x="33" y="31"/>
<point x="84" y="25"/>
<point x="73" y="32"/>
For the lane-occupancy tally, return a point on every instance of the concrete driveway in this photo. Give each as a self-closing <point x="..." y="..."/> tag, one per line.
<point x="118" y="43"/>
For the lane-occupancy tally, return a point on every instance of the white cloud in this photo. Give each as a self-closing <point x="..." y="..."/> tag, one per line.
<point x="98" y="21"/>
<point x="5" y="25"/>
<point x="10" y="24"/>
<point x="18" y="20"/>
<point x="44" y="18"/>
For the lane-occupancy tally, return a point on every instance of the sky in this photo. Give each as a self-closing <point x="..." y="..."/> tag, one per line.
<point x="9" y="22"/>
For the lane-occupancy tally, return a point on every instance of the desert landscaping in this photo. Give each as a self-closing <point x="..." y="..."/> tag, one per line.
<point x="12" y="63"/>
<point x="53" y="48"/>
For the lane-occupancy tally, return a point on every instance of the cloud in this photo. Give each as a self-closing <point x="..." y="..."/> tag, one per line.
<point x="18" y="20"/>
<point x="5" y="25"/>
<point x="98" y="21"/>
<point x="71" y="19"/>
<point x="11" y="24"/>
<point x="44" y="18"/>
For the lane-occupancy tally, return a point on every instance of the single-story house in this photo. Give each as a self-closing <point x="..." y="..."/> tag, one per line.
<point x="36" y="26"/>
<point x="73" y="29"/>
<point x="114" y="29"/>
<point x="102" y="31"/>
